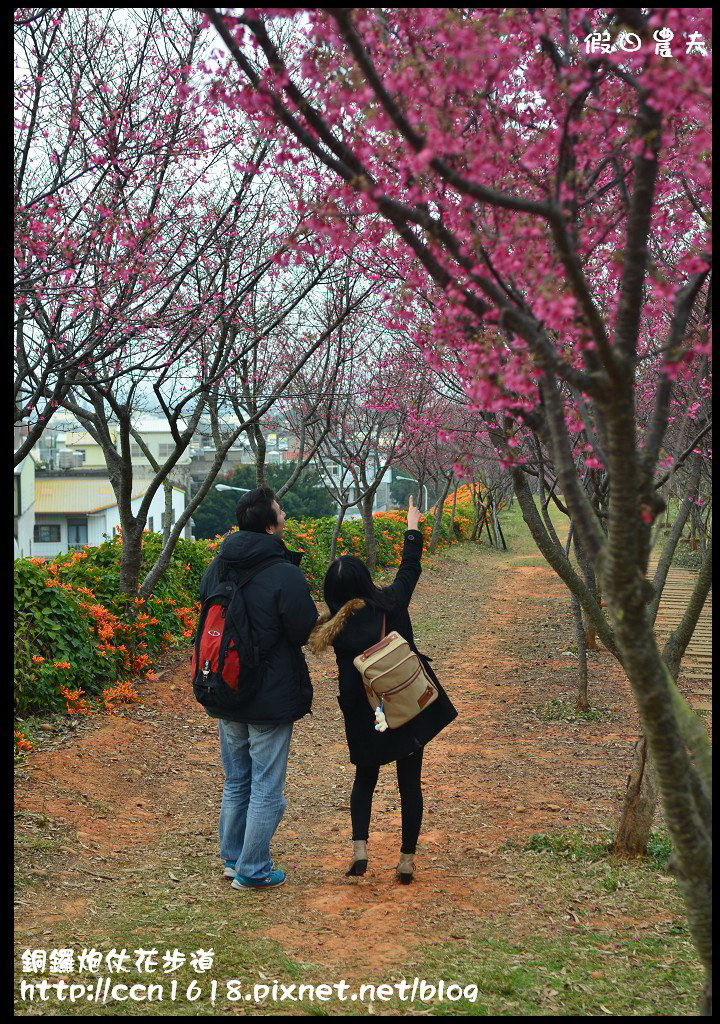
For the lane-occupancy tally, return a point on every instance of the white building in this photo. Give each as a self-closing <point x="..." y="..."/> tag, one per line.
<point x="339" y="480"/>
<point x="87" y="453"/>
<point x="72" y="511"/>
<point x="156" y="435"/>
<point x="24" y="507"/>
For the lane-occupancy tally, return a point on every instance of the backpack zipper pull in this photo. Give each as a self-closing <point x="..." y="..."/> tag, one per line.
<point x="206" y="671"/>
<point x="380" y="719"/>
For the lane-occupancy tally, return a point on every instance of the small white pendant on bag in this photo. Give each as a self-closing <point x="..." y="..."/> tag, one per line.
<point x="380" y="720"/>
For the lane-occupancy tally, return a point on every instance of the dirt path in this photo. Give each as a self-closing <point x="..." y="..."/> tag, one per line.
<point x="133" y="797"/>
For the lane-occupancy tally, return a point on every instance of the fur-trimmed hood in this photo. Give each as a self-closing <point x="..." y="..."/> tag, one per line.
<point x="329" y="627"/>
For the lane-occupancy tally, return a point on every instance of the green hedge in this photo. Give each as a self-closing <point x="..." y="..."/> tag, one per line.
<point x="76" y="638"/>
<point x="74" y="632"/>
<point x="313" y="537"/>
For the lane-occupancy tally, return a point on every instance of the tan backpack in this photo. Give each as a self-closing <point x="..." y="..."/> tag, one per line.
<point x="395" y="679"/>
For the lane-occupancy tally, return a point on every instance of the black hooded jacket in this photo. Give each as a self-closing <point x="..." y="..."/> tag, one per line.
<point x="282" y="614"/>
<point x="357" y="626"/>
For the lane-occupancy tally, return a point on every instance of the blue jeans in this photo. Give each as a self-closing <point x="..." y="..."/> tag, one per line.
<point x="255" y="760"/>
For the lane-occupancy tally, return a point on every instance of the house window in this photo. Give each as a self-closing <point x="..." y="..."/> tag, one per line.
<point x="47" y="534"/>
<point x="77" y="533"/>
<point x="81" y="453"/>
<point x="151" y="524"/>
<point x="165" y="449"/>
<point x="135" y="450"/>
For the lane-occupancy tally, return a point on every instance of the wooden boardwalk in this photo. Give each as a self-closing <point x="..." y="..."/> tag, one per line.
<point x="696" y="668"/>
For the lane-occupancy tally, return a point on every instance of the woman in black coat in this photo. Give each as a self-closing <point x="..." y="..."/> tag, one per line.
<point x="353" y="624"/>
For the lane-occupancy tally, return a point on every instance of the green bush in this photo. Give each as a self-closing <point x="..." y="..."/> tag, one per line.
<point x="313" y="536"/>
<point x="75" y="632"/>
<point x="686" y="558"/>
<point x="51" y="631"/>
<point x="576" y="845"/>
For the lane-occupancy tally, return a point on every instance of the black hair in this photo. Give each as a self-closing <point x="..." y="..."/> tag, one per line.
<point x="255" y="510"/>
<point x="349" y="577"/>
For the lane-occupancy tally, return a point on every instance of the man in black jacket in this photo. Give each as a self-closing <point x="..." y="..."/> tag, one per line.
<point x="255" y="740"/>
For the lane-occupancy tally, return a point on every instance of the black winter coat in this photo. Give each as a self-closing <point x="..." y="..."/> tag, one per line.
<point x="282" y="614"/>
<point x="349" y="634"/>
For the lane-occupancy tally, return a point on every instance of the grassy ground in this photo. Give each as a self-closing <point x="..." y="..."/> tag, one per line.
<point x="575" y="956"/>
<point x="537" y="921"/>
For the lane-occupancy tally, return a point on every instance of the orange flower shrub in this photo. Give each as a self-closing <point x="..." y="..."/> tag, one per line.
<point x="21" y="744"/>
<point x="187" y="617"/>
<point x="313" y="537"/>
<point x="124" y="693"/>
<point x="75" y="701"/>
<point x="71" y="617"/>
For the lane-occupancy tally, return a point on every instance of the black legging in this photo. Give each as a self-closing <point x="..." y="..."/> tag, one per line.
<point x="409" y="770"/>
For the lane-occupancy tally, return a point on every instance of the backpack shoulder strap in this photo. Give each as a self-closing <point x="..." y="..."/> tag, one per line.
<point x="245" y="575"/>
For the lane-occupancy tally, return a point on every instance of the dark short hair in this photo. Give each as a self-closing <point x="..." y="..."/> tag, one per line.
<point x="255" y="510"/>
<point x="349" y="577"/>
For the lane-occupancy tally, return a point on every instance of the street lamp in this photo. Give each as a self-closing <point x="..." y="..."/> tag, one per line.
<point x="229" y="487"/>
<point x="414" y="481"/>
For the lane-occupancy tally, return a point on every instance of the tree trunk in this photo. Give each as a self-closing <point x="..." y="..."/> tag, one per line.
<point x="499" y="539"/>
<point x="260" y="450"/>
<point x="336" y="532"/>
<point x="677" y="740"/>
<point x="591" y="582"/>
<point x="681" y="636"/>
<point x="641" y="793"/>
<point x="366" y="505"/>
<point x="698" y="529"/>
<point x="491" y="522"/>
<point x="475" y="534"/>
<point x="477" y="504"/>
<point x="452" y="513"/>
<point x="131" y="558"/>
<point x="673" y="538"/>
<point x="485" y="522"/>
<point x="438" y="516"/>
<point x="557" y="560"/>
<point x="581" y="698"/>
<point x="639" y="809"/>
<point x="421" y="484"/>
<point x="167" y="514"/>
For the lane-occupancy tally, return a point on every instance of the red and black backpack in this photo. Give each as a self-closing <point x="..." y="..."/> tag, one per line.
<point x="227" y="668"/>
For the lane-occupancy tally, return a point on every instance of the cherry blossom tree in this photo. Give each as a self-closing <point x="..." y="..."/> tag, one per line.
<point x="547" y="171"/>
<point x="113" y="160"/>
<point x="214" y="382"/>
<point x="151" y="253"/>
<point x="307" y="405"/>
<point x="370" y="426"/>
